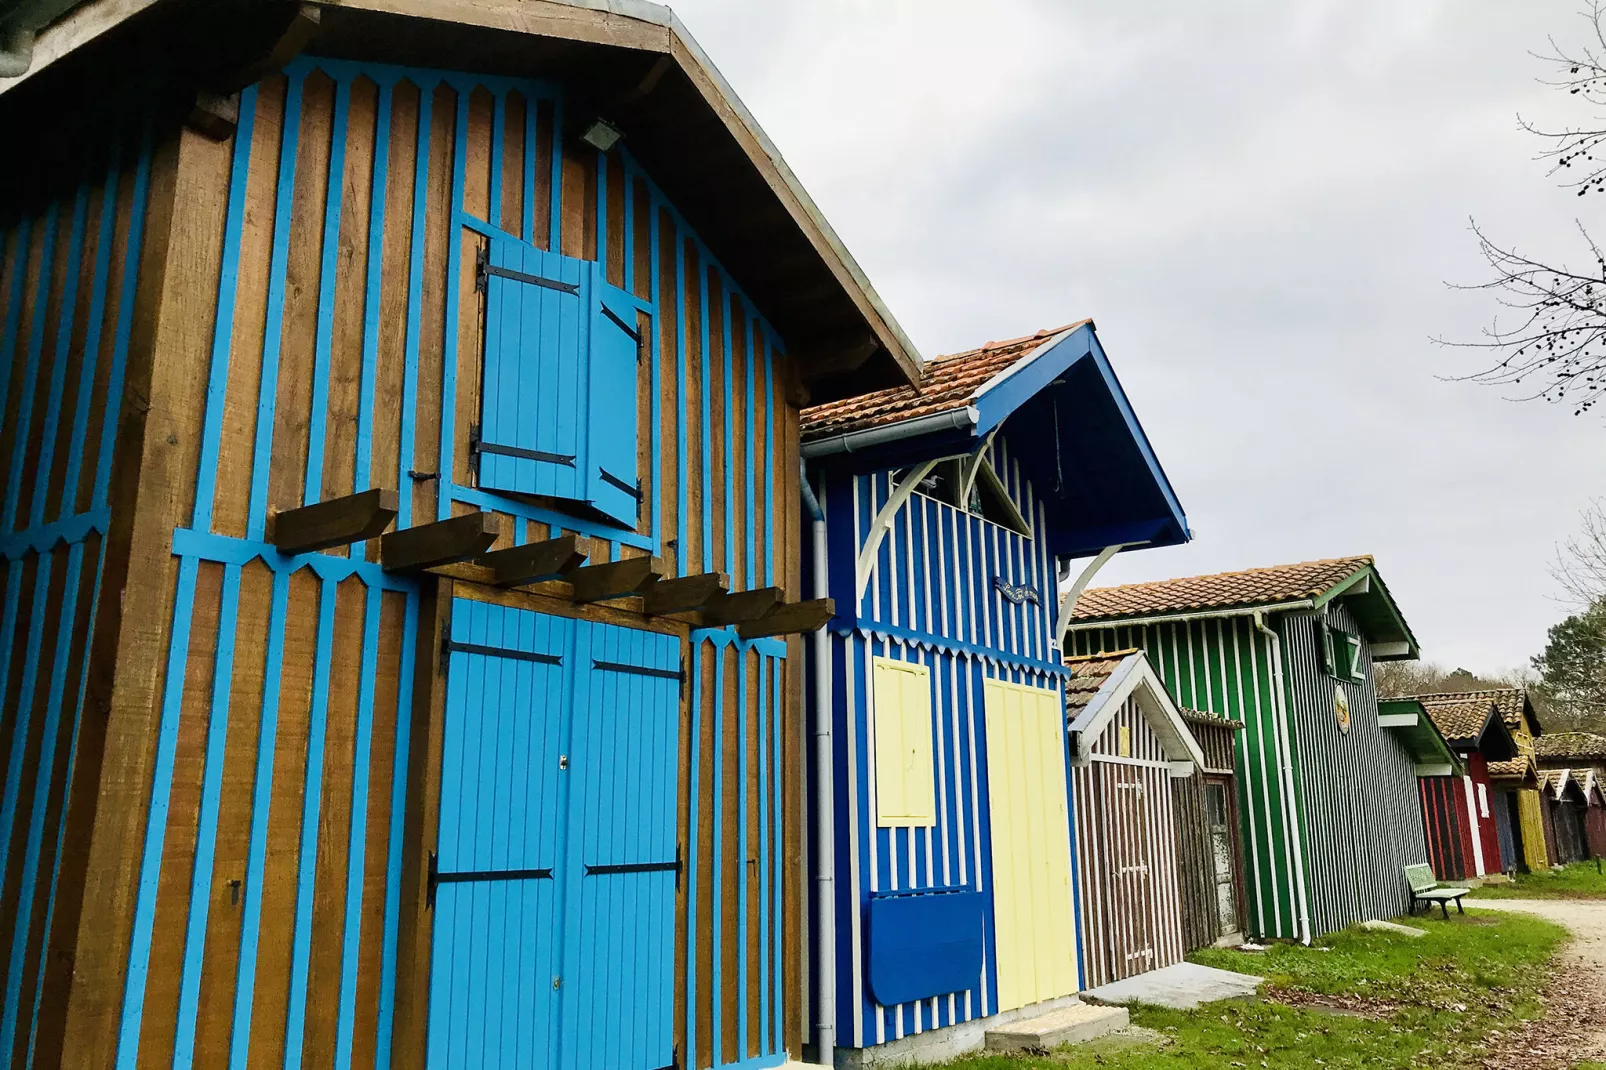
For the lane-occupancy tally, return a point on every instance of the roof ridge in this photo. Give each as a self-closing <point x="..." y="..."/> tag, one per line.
<point x="988" y="347"/>
<point x="1107" y="655"/>
<point x="1368" y="558"/>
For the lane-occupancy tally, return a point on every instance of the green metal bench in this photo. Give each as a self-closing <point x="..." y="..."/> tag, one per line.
<point x="1425" y="888"/>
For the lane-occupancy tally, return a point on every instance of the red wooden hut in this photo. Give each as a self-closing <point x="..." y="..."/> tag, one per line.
<point x="1462" y="802"/>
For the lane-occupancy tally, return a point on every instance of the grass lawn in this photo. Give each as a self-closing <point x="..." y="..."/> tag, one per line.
<point x="1397" y="1002"/>
<point x="1581" y="880"/>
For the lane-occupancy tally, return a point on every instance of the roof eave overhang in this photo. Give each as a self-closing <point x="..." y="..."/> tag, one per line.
<point x="1092" y="624"/>
<point x="884" y="353"/>
<point x="1375" y="595"/>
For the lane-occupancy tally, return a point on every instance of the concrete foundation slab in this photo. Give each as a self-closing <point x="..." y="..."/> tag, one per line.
<point x="1181" y="987"/>
<point x="1068" y="1025"/>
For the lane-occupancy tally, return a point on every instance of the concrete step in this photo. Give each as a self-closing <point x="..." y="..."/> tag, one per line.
<point x="1069" y="1025"/>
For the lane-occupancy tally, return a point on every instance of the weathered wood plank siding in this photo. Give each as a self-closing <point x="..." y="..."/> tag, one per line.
<point x="1126" y="820"/>
<point x="1224" y="665"/>
<point x="256" y="885"/>
<point x="1444" y="821"/>
<point x="69" y="273"/>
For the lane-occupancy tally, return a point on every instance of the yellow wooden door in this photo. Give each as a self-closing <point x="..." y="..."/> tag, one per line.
<point x="1033" y="915"/>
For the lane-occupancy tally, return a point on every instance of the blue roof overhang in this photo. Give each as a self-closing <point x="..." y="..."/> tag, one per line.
<point x="1073" y="429"/>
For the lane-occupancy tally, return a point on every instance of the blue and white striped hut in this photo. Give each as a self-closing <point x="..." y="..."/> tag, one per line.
<point x="942" y="847"/>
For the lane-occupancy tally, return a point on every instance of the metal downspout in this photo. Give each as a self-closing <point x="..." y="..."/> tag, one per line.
<point x="824" y="801"/>
<point x="1285" y="772"/>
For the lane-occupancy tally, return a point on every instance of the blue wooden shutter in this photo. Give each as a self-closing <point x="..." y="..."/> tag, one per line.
<point x="612" y="476"/>
<point x="534" y="390"/>
<point x="624" y="862"/>
<point x="495" y="880"/>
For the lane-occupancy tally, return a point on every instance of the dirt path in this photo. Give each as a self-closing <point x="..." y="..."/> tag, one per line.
<point x="1574" y="1025"/>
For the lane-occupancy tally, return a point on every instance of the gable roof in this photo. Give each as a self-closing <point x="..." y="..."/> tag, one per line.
<point x="1519" y="768"/>
<point x="1407" y="720"/>
<point x="1575" y="745"/>
<point x="1512" y="702"/>
<point x="947" y="383"/>
<point x="1071" y="429"/>
<point x="1100" y="684"/>
<point x="1308" y="584"/>
<point x="629" y="60"/>
<point x="1471" y="724"/>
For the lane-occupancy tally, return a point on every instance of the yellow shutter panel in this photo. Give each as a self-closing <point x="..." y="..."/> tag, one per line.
<point x="905" y="774"/>
<point x="1033" y="914"/>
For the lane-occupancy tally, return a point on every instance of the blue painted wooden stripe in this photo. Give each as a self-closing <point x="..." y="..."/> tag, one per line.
<point x="311" y="804"/>
<point x="67" y="314"/>
<point x="362" y="472"/>
<point x="25" y="692"/>
<point x="531" y="135"/>
<point x="318" y="421"/>
<point x="657" y="378"/>
<point x="105" y="236"/>
<point x="189" y="997"/>
<point x="498" y="146"/>
<point x="694" y="660"/>
<point x="217" y="386"/>
<point x="629" y="281"/>
<point x="602" y="212"/>
<point x="22" y="237"/>
<point x="357" y="849"/>
<point x="777" y="887"/>
<point x="415" y="311"/>
<point x="766" y="974"/>
<point x="150" y="869"/>
<point x="776" y="474"/>
<point x="731" y="440"/>
<point x="398" y="799"/>
<point x="558" y="521"/>
<point x="454" y="258"/>
<point x="257" y="851"/>
<point x="125" y="319"/>
<point x="682" y="472"/>
<point x="555" y="235"/>
<point x="708" y="420"/>
<point x="30" y="375"/>
<point x="41" y="795"/>
<point x="226" y="550"/>
<point x="716" y="848"/>
<point x="743" y="778"/>
<point x="273" y="333"/>
<point x="751" y="519"/>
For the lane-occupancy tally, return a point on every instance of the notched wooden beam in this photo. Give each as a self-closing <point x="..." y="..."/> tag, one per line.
<point x="790" y="618"/>
<point x="336" y="522"/>
<point x="444" y="542"/>
<point x="617" y="579"/>
<point x="685" y="594"/>
<point x="535" y="562"/>
<point x="214" y="115"/>
<point x="300" y="29"/>
<point x="742" y="606"/>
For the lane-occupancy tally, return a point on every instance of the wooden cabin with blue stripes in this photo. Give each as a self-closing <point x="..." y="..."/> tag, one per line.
<point x="942" y="830"/>
<point x="399" y="402"/>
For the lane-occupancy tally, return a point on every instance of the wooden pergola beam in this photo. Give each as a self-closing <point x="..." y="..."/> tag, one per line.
<point x="534" y="562"/>
<point x="790" y="618"/>
<point x="336" y="522"/>
<point x="685" y="594"/>
<point x="444" y="542"/>
<point x="742" y="606"/>
<point x="617" y="579"/>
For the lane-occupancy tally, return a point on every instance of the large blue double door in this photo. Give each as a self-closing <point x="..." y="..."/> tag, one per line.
<point x="553" y="885"/>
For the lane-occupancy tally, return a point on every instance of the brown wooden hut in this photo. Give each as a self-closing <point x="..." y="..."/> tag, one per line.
<point x="1208" y="851"/>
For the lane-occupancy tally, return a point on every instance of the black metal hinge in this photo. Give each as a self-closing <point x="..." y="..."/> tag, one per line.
<point x="452" y="646"/>
<point x="637" y="670"/>
<point x="484" y="269"/>
<point x="609" y="477"/>
<point x="437" y="878"/>
<point x="634" y="334"/>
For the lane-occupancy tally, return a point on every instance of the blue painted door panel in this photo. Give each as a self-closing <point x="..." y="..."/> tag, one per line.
<point x="555" y="881"/>
<point x="534" y="388"/>
<point x="614" y="488"/>
<point x="623" y="861"/>
<point x="924" y="944"/>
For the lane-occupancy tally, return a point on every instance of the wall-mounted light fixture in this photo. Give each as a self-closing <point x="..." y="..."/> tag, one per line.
<point x="602" y="135"/>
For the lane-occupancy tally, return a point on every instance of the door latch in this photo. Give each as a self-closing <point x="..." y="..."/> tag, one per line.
<point x="563" y="761"/>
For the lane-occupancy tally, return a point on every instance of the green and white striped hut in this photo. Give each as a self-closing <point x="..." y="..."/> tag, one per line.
<point x="1327" y="791"/>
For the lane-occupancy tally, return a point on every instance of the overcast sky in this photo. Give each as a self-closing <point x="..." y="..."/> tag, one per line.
<point x="1260" y="203"/>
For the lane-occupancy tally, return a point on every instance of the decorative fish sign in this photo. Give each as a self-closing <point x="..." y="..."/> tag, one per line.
<point x="1017" y="595"/>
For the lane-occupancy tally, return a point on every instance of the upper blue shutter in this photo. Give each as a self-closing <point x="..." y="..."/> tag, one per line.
<point x="613" y="482"/>
<point x="558" y="408"/>
<point x="534" y="390"/>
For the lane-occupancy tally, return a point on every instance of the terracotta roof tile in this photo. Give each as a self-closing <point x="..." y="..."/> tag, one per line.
<point x="1515" y="769"/>
<point x="1205" y="717"/>
<point x="1459" y="720"/>
<point x="946" y="384"/>
<point x="1571" y="745"/>
<point x="1088" y="674"/>
<point x="1508" y="700"/>
<point x="1222" y="590"/>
